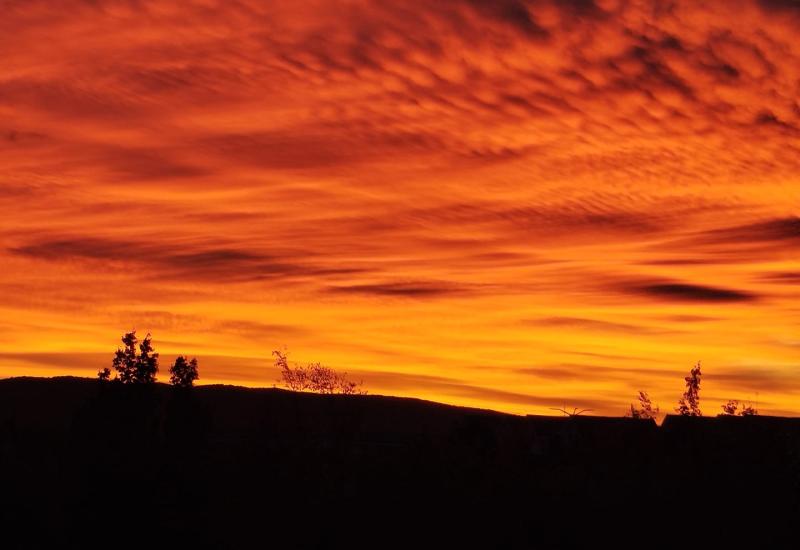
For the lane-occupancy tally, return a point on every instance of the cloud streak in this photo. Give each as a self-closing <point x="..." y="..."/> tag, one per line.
<point x="683" y="292"/>
<point x="183" y="260"/>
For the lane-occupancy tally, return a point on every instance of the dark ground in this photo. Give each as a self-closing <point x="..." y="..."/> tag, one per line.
<point x="85" y="465"/>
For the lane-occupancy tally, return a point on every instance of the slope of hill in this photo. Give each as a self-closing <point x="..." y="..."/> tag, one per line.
<point x="106" y="465"/>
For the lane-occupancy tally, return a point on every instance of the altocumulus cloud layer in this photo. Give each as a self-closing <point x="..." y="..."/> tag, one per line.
<point x="515" y="204"/>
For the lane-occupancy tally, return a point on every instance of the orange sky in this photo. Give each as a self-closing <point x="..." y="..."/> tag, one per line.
<point x="508" y="204"/>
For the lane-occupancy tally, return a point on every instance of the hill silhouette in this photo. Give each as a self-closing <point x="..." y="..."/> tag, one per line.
<point x="89" y="464"/>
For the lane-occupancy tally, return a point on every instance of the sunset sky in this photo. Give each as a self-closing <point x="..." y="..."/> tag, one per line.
<point x="507" y="204"/>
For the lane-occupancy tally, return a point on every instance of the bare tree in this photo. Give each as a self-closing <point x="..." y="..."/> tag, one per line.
<point x="294" y="378"/>
<point x="314" y="377"/>
<point x="689" y="404"/>
<point x="646" y="410"/>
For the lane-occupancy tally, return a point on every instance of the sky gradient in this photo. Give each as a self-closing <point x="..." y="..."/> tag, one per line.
<point x="510" y="204"/>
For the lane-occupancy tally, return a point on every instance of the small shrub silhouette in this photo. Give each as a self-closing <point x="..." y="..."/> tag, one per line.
<point x="133" y="367"/>
<point x="315" y="377"/>
<point x="748" y="410"/>
<point x="689" y="404"/>
<point x="183" y="372"/>
<point x="646" y="410"/>
<point x="731" y="408"/>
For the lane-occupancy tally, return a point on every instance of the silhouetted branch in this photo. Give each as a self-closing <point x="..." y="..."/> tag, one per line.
<point x="575" y="411"/>
<point x="314" y="377"/>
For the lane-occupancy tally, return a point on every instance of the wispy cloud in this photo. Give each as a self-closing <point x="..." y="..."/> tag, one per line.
<point x="181" y="260"/>
<point x="595" y="325"/>
<point x="411" y="289"/>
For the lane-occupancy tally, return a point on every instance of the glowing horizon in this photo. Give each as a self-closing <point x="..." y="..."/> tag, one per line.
<point x="511" y="204"/>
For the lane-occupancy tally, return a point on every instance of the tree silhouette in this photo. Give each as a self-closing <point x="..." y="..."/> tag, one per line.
<point x="104" y="374"/>
<point x="133" y="367"/>
<point x="183" y="372"/>
<point x="646" y="410"/>
<point x="729" y="408"/>
<point x="748" y="410"/>
<point x="314" y="377"/>
<point x="295" y="379"/>
<point x="689" y="404"/>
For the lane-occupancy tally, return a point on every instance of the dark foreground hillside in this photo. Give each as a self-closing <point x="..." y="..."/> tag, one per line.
<point x="223" y="467"/>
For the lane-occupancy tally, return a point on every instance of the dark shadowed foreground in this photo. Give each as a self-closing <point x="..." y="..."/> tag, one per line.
<point x="85" y="464"/>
